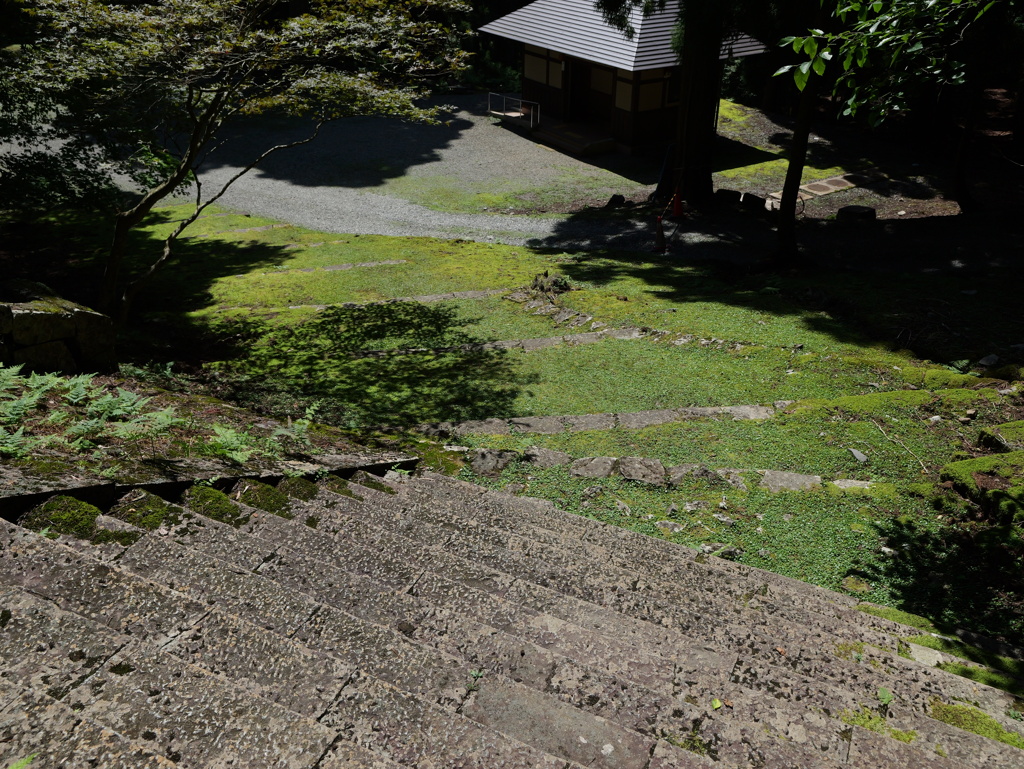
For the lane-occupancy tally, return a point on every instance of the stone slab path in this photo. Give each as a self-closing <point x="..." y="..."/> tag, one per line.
<point x="425" y="622"/>
<point x="632" y="420"/>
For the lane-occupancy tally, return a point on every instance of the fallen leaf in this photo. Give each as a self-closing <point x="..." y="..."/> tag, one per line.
<point x="716" y="704"/>
<point x="780" y="650"/>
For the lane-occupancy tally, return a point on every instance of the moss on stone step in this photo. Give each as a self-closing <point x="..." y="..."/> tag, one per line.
<point x="63" y="515"/>
<point x="216" y="505"/>
<point x="299" y="488"/>
<point x="339" y="486"/>
<point x="263" y="497"/>
<point x="145" y="510"/>
<point x="971" y="719"/>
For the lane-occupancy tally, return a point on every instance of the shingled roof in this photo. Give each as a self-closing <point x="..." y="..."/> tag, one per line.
<point x="576" y="28"/>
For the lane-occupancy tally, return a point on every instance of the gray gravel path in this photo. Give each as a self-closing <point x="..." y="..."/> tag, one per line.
<point x="360" y="173"/>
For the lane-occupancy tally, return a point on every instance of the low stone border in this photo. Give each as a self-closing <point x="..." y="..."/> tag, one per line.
<point x="491" y="462"/>
<point x="634" y="420"/>
<point x="423" y="299"/>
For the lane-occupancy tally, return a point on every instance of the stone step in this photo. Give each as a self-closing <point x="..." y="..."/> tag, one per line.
<point x="427" y="675"/>
<point x="34" y="725"/>
<point x="658" y="560"/>
<point x="631" y="707"/>
<point x="833" y="699"/>
<point x="819" y="651"/>
<point x="161" y="703"/>
<point x="588" y="688"/>
<point x="325" y="631"/>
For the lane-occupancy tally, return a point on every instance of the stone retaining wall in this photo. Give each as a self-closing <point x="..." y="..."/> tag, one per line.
<point x="44" y="332"/>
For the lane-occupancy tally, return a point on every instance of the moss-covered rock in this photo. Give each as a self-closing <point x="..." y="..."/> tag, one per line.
<point x="299" y="488"/>
<point x="147" y="511"/>
<point x="263" y="497"/>
<point x="216" y="505"/>
<point x="995" y="482"/>
<point x="63" y="515"/>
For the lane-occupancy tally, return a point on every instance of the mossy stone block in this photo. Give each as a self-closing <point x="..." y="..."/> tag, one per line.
<point x="147" y="511"/>
<point x="299" y="488"/>
<point x="1005" y="437"/>
<point x="63" y="515"/>
<point x="263" y="497"/>
<point x="216" y="505"/>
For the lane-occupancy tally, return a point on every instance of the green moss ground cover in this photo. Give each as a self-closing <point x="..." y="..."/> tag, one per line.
<point x="616" y="375"/>
<point x="808" y="440"/>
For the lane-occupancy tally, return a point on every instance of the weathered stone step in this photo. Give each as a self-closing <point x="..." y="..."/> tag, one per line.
<point x="627" y="420"/>
<point x="34" y="725"/>
<point x="324" y="627"/>
<point x="827" y="697"/>
<point x="748" y="627"/>
<point x="633" y="706"/>
<point x="153" y="699"/>
<point x="657" y="559"/>
<point x="385" y="654"/>
<point x="629" y="705"/>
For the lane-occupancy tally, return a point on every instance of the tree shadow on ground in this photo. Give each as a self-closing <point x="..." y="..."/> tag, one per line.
<point x="956" y="573"/>
<point x="943" y="287"/>
<point x="67" y="252"/>
<point x="368" y="365"/>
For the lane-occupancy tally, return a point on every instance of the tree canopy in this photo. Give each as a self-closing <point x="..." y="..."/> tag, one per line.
<point x="103" y="91"/>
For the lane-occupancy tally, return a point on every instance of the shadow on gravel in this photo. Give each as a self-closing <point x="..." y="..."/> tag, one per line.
<point x="353" y="152"/>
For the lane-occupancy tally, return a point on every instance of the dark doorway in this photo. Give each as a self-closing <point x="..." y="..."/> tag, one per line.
<point x="578" y="92"/>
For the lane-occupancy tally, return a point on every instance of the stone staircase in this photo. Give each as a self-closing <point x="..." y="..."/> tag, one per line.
<point x="427" y="622"/>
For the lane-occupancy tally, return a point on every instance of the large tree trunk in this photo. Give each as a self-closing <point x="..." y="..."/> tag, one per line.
<point x="788" y="252"/>
<point x="700" y="74"/>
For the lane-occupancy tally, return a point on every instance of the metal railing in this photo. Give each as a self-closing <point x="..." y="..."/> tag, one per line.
<point x="514" y="109"/>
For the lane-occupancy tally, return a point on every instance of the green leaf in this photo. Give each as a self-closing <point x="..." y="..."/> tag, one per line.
<point x="810" y="46"/>
<point x="818" y="65"/>
<point x="716" y="703"/>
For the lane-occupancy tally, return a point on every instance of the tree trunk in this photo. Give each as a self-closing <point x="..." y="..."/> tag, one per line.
<point x="700" y="73"/>
<point x="788" y="252"/>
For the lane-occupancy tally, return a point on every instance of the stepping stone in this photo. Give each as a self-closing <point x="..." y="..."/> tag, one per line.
<point x="774" y="480"/>
<point x="545" y="425"/>
<point x="583" y="422"/>
<point x="639" y="419"/>
<point x="539" y="344"/>
<point x="491" y="462"/>
<point x="819" y="188"/>
<point x="541" y="457"/>
<point x="749" y="412"/>
<point x="486" y="426"/>
<point x="733" y="476"/>
<point x="642" y="470"/>
<point x="846" y="483"/>
<point x="593" y="467"/>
